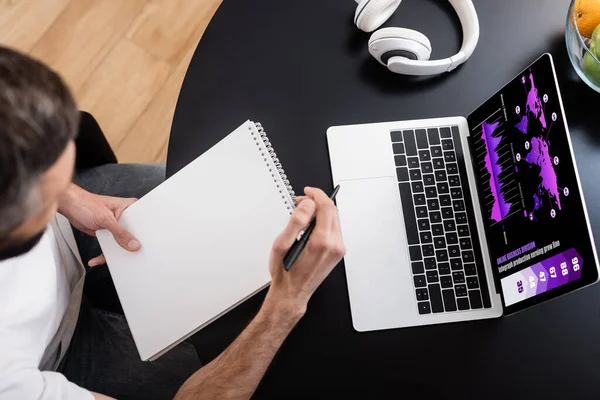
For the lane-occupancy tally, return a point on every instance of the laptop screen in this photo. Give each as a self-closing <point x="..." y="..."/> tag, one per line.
<point x="537" y="231"/>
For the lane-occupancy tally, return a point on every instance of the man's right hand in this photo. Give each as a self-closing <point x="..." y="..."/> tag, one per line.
<point x="236" y="372"/>
<point x="292" y="289"/>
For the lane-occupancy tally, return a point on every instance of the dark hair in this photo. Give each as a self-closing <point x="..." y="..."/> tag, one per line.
<point x="38" y="118"/>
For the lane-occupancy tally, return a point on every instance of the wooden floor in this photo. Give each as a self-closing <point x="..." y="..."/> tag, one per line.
<point x="124" y="60"/>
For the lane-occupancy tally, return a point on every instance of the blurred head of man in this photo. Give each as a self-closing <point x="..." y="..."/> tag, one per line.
<point x="38" y="122"/>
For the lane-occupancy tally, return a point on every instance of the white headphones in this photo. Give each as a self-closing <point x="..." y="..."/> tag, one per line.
<point x="407" y="52"/>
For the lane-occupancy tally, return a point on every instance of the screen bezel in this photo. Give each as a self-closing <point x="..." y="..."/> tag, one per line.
<point x="590" y="273"/>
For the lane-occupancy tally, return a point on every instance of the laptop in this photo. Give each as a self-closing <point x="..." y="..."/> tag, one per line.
<point x="454" y="219"/>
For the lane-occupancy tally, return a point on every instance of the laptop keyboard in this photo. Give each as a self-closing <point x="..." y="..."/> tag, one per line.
<point x="443" y="250"/>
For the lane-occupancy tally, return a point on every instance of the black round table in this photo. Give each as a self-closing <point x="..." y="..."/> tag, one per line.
<point x="301" y="66"/>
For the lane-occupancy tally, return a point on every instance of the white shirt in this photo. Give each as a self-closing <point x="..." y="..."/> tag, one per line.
<point x="34" y="295"/>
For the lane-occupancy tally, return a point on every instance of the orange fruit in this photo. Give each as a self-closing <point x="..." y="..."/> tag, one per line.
<point x="587" y="15"/>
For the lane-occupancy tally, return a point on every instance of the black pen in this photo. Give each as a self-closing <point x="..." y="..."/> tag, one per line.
<point x="294" y="252"/>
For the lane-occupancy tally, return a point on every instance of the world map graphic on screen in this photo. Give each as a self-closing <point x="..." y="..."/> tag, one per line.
<point x="537" y="150"/>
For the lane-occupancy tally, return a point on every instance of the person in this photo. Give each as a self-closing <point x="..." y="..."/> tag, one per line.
<point x="56" y="340"/>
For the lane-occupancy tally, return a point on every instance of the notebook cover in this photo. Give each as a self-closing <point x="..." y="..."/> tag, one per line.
<point x="206" y="236"/>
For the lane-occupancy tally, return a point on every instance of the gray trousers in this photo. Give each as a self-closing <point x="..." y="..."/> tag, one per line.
<point x="102" y="356"/>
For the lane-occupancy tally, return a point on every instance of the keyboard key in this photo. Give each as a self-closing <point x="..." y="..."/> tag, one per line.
<point x="435" y="296"/>
<point x="415" y="253"/>
<point x="456" y="193"/>
<point x="398" y="148"/>
<point x="424" y="307"/>
<point x="396" y="136"/>
<point x="438" y="163"/>
<point x="413" y="162"/>
<point x="454" y="180"/>
<point x="426" y="237"/>
<point x="468" y="256"/>
<point x="426" y="167"/>
<point x="472" y="282"/>
<point x="458" y="277"/>
<point x="445" y="200"/>
<point x="410" y="221"/>
<point x="430" y="192"/>
<point x="440" y="175"/>
<point x="461" y="218"/>
<point x="446" y="281"/>
<point x="439" y="242"/>
<point x="430" y="263"/>
<point x="449" y="156"/>
<point x="455" y="130"/>
<point x="452" y="168"/>
<point x="463" y="303"/>
<point x="420" y="281"/>
<point x="424" y="155"/>
<point x="417" y="267"/>
<point x="409" y="141"/>
<point x="449" y="225"/>
<point x="423" y="225"/>
<point x="415" y="174"/>
<point x="432" y="276"/>
<point x="474" y="299"/>
<point x="465" y="243"/>
<point x="463" y="230"/>
<point x="433" y="204"/>
<point x="435" y="217"/>
<point x="456" y="264"/>
<point x="421" y="136"/>
<point x="449" y="300"/>
<point x="470" y="269"/>
<point x="447" y="213"/>
<point x="443" y="187"/>
<point x="402" y="174"/>
<point x="436" y="151"/>
<point x="400" y="161"/>
<point x="458" y="205"/>
<point x="422" y="294"/>
<point x="437" y="229"/>
<point x="427" y="250"/>
<point x="428" y="180"/>
<point x="460" y="290"/>
<point x="451" y="238"/>
<point x="444" y="268"/>
<point x="454" y="251"/>
<point x="419" y="199"/>
<point x="441" y="255"/>
<point x="447" y="144"/>
<point x="417" y="187"/>
<point x="421" y="212"/>
<point x="445" y="133"/>
<point x="434" y="136"/>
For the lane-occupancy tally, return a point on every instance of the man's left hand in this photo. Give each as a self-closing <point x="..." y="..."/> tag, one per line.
<point x="90" y="212"/>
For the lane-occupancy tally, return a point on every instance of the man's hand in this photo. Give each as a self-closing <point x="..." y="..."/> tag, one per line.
<point x="322" y="253"/>
<point x="90" y="212"/>
<point x="235" y="373"/>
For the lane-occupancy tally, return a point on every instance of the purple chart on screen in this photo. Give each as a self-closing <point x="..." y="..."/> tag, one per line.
<point x="500" y="207"/>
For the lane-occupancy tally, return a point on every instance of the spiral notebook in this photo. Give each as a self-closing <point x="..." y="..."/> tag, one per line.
<point x="206" y="236"/>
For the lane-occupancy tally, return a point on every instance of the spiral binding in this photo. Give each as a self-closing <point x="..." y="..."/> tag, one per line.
<point x="278" y="167"/>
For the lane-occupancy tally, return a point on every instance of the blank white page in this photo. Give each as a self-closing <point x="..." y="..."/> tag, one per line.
<point x="206" y="236"/>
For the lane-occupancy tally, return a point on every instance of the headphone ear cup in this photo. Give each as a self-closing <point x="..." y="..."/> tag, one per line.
<point x="371" y="14"/>
<point x="399" y="42"/>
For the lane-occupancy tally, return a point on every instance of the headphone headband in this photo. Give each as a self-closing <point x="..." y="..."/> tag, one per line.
<point x="470" y="27"/>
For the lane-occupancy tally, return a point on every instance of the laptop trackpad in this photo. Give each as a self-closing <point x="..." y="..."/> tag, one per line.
<point x="377" y="263"/>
